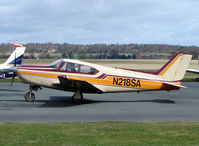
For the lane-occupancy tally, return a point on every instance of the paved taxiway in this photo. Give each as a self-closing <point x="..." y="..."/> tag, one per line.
<point x="53" y="105"/>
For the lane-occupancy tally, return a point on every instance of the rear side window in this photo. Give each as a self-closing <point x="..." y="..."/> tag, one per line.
<point x="86" y="69"/>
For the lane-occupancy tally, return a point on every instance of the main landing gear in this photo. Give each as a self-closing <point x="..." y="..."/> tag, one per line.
<point x="77" y="98"/>
<point x="29" y="96"/>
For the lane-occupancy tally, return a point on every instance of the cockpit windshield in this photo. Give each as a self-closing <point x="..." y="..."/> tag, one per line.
<point x="56" y="63"/>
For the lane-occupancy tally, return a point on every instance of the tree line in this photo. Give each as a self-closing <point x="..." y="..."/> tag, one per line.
<point x="100" y="51"/>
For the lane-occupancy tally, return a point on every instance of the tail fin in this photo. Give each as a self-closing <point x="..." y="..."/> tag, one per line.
<point x="16" y="56"/>
<point x="175" y="68"/>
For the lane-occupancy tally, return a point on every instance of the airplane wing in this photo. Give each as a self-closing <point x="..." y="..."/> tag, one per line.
<point x="71" y="83"/>
<point x="193" y="71"/>
<point x="196" y="71"/>
<point x="175" y="85"/>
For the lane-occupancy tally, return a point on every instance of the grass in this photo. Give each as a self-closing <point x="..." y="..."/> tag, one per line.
<point x="7" y="80"/>
<point x="100" y="133"/>
<point x="189" y="80"/>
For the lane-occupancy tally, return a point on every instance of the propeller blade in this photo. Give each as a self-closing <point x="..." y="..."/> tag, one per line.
<point x="15" y="60"/>
<point x="13" y="77"/>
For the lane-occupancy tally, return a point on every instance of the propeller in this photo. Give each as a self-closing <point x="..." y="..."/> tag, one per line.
<point x="13" y="77"/>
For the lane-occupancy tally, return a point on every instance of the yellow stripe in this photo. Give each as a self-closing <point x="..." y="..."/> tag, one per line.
<point x="38" y="74"/>
<point x="170" y="64"/>
<point x="145" y="84"/>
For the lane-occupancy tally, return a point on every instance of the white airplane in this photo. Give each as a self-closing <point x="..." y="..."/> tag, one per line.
<point x="14" y="60"/>
<point x="196" y="71"/>
<point x="83" y="77"/>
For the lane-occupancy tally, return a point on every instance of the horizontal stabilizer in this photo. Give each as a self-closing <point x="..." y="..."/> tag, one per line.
<point x="175" y="84"/>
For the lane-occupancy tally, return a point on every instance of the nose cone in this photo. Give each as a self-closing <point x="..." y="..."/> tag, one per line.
<point x="12" y="69"/>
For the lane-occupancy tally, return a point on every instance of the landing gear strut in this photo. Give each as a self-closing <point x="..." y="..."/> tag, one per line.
<point x="77" y="97"/>
<point x="29" y="96"/>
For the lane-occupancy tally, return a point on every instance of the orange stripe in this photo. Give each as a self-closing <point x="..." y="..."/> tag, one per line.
<point x="145" y="84"/>
<point x="38" y="74"/>
<point x="170" y="64"/>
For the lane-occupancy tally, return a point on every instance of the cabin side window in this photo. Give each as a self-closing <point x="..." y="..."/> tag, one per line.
<point x="86" y="69"/>
<point x="78" y="68"/>
<point x="70" y="67"/>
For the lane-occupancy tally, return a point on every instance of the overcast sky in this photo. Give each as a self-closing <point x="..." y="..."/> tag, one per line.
<point x="100" y="21"/>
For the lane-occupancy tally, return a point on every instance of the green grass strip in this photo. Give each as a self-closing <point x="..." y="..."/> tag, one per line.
<point x="8" y="80"/>
<point x="100" y="133"/>
<point x="189" y="80"/>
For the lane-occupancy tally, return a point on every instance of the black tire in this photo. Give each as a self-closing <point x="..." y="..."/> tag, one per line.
<point x="197" y="79"/>
<point x="77" y="101"/>
<point x="29" y="97"/>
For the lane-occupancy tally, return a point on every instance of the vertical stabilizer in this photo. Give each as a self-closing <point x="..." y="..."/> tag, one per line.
<point x="175" y="68"/>
<point x="16" y="56"/>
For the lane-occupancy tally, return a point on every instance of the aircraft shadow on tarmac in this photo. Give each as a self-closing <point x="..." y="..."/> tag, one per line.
<point x="166" y="101"/>
<point x="57" y="101"/>
<point x="66" y="101"/>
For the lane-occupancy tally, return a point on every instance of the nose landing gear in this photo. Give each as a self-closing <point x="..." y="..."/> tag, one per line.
<point x="29" y="96"/>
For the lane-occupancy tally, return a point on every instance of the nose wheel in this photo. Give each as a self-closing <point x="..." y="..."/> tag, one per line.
<point x="29" y="97"/>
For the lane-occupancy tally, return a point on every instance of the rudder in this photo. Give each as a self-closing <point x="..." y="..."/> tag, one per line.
<point x="175" y="68"/>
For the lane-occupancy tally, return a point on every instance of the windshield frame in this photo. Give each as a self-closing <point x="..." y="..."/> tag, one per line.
<point x="56" y="63"/>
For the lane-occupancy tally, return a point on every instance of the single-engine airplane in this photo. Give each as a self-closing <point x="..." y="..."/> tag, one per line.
<point x="196" y="71"/>
<point x="83" y="77"/>
<point x="14" y="60"/>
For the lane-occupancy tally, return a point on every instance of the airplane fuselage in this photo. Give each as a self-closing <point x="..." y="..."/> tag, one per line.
<point x="101" y="80"/>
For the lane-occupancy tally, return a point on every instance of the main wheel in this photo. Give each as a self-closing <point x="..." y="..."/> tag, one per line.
<point x="29" y="97"/>
<point x="77" y="99"/>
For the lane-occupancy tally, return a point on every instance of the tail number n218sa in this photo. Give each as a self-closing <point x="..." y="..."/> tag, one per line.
<point x="126" y="82"/>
